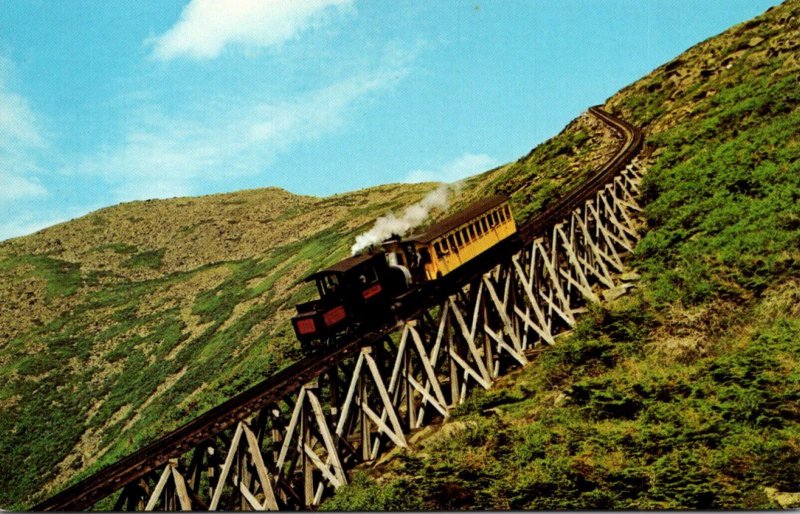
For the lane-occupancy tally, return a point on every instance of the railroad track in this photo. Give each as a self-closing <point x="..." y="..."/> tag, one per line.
<point x="88" y="491"/>
<point x="633" y="141"/>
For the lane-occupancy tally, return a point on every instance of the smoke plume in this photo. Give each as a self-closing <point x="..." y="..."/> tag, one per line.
<point x="386" y="226"/>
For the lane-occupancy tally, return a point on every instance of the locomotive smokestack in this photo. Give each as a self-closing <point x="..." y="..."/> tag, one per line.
<point x="389" y="225"/>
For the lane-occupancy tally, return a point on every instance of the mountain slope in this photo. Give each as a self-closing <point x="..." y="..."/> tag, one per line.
<point x="119" y="326"/>
<point x="685" y="393"/>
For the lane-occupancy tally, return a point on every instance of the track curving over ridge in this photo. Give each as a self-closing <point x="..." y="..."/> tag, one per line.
<point x="88" y="491"/>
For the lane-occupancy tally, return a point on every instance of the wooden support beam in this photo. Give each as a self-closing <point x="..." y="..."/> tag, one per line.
<point x="530" y="279"/>
<point x="486" y="384"/>
<point x="596" y="262"/>
<point x="600" y="256"/>
<point x="287" y="438"/>
<point x="434" y="357"/>
<point x="430" y="374"/>
<point x="498" y="338"/>
<point x="394" y="380"/>
<point x="226" y="467"/>
<point x="270" y="502"/>
<point x="555" y="282"/>
<point x="306" y="461"/>
<point x="627" y="197"/>
<point x="327" y="438"/>
<point x="249" y="497"/>
<point x="555" y="307"/>
<point x="453" y="368"/>
<point x="501" y="310"/>
<point x="542" y="328"/>
<point x="527" y="320"/>
<point x="340" y="425"/>
<point x="629" y="206"/>
<point x="473" y="328"/>
<point x="470" y="340"/>
<point x="162" y="482"/>
<point x="387" y="404"/>
<point x="624" y="230"/>
<point x="394" y="434"/>
<point x="438" y="404"/>
<point x="601" y="228"/>
<point x="618" y="202"/>
<point x="581" y="283"/>
<point x="180" y="489"/>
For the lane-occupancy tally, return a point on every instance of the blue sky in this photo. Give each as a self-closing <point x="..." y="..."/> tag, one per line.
<point x="104" y="102"/>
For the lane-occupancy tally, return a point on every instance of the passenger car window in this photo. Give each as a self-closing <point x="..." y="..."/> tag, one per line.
<point x="425" y="256"/>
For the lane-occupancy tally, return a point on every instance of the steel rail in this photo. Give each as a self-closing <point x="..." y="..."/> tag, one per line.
<point x="90" y="490"/>
<point x="633" y="141"/>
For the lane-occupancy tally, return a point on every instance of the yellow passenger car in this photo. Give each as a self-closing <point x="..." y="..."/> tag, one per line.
<point x="455" y="240"/>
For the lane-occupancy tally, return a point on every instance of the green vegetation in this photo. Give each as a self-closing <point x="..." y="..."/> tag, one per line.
<point x="62" y="278"/>
<point x="127" y="322"/>
<point x="604" y="422"/>
<point x="149" y="259"/>
<point x="118" y="248"/>
<point x="741" y="229"/>
<point x="686" y="394"/>
<point x="121" y="359"/>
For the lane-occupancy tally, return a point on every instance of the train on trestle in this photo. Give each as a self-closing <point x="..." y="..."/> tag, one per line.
<point x="360" y="291"/>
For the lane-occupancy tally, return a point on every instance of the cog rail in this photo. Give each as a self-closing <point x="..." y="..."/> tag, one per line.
<point x="88" y="491"/>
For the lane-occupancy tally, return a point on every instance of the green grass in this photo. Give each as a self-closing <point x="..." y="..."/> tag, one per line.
<point x="121" y="248"/>
<point x="631" y="433"/>
<point x="149" y="259"/>
<point x="141" y="344"/>
<point x="685" y="395"/>
<point x="612" y="417"/>
<point x="62" y="278"/>
<point x="725" y="221"/>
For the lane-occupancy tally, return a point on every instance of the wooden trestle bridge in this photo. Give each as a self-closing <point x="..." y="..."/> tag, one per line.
<point x="290" y="440"/>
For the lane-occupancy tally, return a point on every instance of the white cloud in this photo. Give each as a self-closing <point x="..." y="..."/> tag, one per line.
<point x="21" y="137"/>
<point x="167" y="156"/>
<point x="460" y="168"/>
<point x="207" y="26"/>
<point x="14" y="187"/>
<point x="17" y="122"/>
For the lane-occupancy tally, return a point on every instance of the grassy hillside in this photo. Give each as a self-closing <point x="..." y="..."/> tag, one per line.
<point x="685" y="393"/>
<point x="123" y="324"/>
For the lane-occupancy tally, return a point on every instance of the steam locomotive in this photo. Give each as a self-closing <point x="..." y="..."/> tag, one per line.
<point x="359" y="291"/>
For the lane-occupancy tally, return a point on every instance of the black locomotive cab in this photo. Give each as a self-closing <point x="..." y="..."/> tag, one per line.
<point x="353" y="292"/>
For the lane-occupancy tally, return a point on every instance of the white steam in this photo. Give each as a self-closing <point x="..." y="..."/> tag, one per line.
<point x="389" y="225"/>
